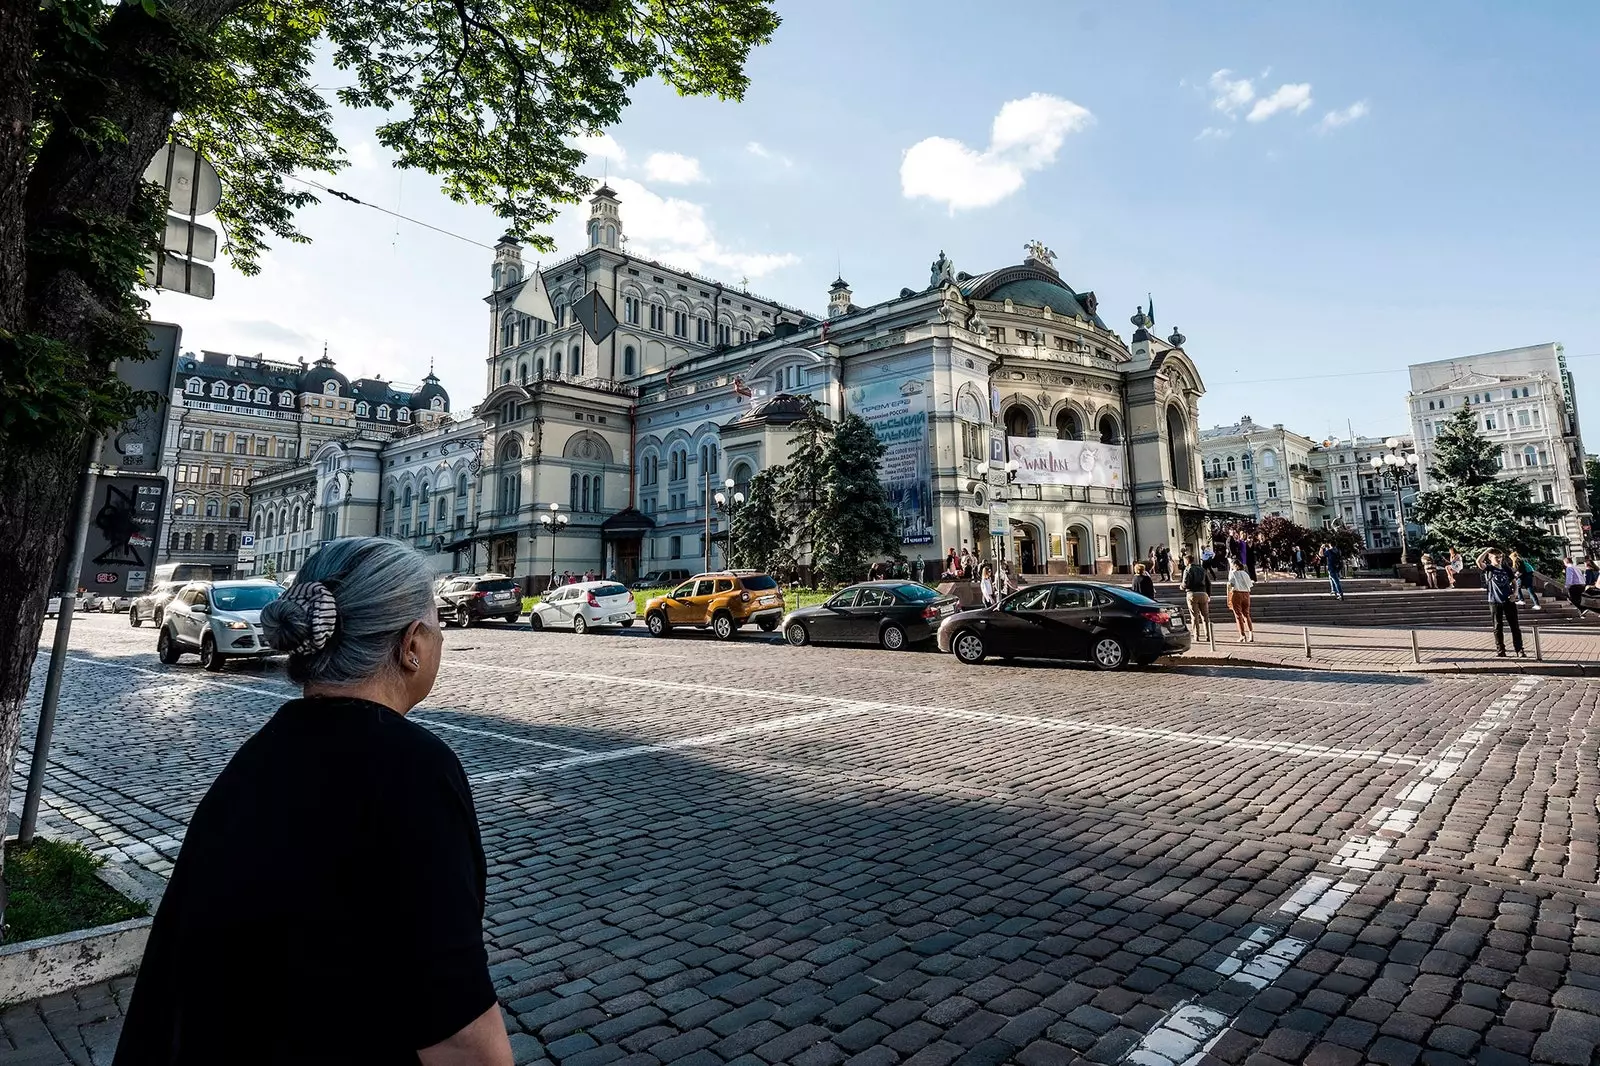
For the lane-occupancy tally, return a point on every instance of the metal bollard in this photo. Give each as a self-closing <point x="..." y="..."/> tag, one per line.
<point x="1538" y="652"/>
<point x="1305" y="635"/>
<point x="1416" y="653"/>
<point x="1211" y="635"/>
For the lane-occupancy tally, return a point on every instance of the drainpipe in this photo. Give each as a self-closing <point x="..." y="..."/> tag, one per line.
<point x="1136" y="549"/>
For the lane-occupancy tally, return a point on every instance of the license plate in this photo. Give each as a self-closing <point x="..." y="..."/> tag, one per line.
<point x="769" y="599"/>
<point x="621" y="617"/>
<point x="1177" y="623"/>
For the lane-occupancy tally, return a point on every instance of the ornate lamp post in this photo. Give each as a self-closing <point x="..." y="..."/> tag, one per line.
<point x="553" y="522"/>
<point x="1397" y="469"/>
<point x="729" y="503"/>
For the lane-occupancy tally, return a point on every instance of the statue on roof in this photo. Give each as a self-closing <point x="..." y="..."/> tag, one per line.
<point x="1038" y="253"/>
<point x="942" y="272"/>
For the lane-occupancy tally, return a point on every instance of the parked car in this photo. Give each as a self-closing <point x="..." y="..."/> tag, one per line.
<point x="585" y="604"/>
<point x="723" y="601"/>
<point x="660" y="579"/>
<point x="1106" y="625"/>
<point x="470" y="599"/>
<point x="151" y="604"/>
<point x="87" y="601"/>
<point x="891" y="614"/>
<point x="219" y="619"/>
<point x="118" y="604"/>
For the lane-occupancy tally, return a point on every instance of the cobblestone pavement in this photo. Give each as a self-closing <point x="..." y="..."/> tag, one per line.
<point x="1564" y="649"/>
<point x="705" y="853"/>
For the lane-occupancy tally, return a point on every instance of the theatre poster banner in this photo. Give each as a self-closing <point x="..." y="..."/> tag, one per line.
<point x="897" y="412"/>
<point x="1048" y="461"/>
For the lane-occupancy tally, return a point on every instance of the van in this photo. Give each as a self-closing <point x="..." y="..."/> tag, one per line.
<point x="181" y="572"/>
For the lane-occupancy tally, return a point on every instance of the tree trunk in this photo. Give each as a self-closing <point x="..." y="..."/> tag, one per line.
<point x="37" y="485"/>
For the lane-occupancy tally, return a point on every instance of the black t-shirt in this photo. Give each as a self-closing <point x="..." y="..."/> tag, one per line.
<point x="327" y="906"/>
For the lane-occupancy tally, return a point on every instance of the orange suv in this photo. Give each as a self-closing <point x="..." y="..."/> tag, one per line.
<point x="724" y="601"/>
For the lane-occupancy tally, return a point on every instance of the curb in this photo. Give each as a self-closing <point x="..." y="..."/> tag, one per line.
<point x="32" y="969"/>
<point x="1520" y="667"/>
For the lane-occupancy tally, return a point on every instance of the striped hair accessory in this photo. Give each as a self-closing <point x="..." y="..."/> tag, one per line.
<point x="322" y="615"/>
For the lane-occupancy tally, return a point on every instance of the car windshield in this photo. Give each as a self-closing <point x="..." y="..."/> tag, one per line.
<point x="1133" y="597"/>
<point x="758" y="583"/>
<point x="1034" y="599"/>
<point x="611" y="590"/>
<point x="243" y="597"/>
<point x="503" y="584"/>
<point x="917" y="593"/>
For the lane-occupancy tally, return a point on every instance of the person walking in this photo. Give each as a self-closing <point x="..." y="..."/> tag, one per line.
<point x="1008" y="582"/>
<point x="1239" y="585"/>
<point x="1526" y="580"/>
<point x="1164" y="562"/>
<point x="327" y="903"/>
<point x="1575" y="583"/>
<point x="1299" y="562"/>
<point x="1196" y="582"/>
<point x="986" y="588"/>
<point x="1334" y="562"/>
<point x="1142" y="582"/>
<point x="1501" y="581"/>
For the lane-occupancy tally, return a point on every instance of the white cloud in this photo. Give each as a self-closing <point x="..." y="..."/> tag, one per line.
<point x="1294" y="98"/>
<point x="1214" y="133"/>
<point x="1027" y="135"/>
<point x="761" y="151"/>
<point x="1229" y="94"/>
<point x="1343" y="116"/>
<point x="673" y="168"/>
<point x="362" y="154"/>
<point x="601" y="146"/>
<point x="676" y="231"/>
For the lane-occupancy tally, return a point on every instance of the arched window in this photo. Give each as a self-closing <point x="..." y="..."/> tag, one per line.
<point x="1068" y="427"/>
<point x="461" y="490"/>
<point x="213" y="508"/>
<point x="555" y="363"/>
<point x="439" y="510"/>
<point x="188" y="542"/>
<point x="362" y="410"/>
<point x="708" y="459"/>
<point x="522" y="373"/>
<point x="538" y="367"/>
<point x="436" y="404"/>
<point x="1110" y="431"/>
<point x="1244" y="462"/>
<point x="263" y="396"/>
<point x="1269" y="459"/>
<point x="235" y="509"/>
<point x="629" y="361"/>
<point x="241" y="392"/>
<point x="1178" y="449"/>
<point x="272" y="523"/>
<point x="1530" y="456"/>
<point x="194" y="387"/>
<point x="233" y="542"/>
<point x="383" y="412"/>
<point x="510" y="461"/>
<point x="405" y="500"/>
<point x="505" y="376"/>
<point x="524" y="328"/>
<point x="330" y="387"/>
<point x="173" y="540"/>
<point x="295" y="518"/>
<point x="508" y="329"/>
<point x="1019" y="421"/>
<point x="403" y="415"/>
<point x="574" y="500"/>
<point x="596" y="496"/>
<point x="1230" y="465"/>
<point x="219" y="390"/>
<point x="285" y="398"/>
<point x="576" y="366"/>
<point x="1216" y="466"/>
<point x="259" y="518"/>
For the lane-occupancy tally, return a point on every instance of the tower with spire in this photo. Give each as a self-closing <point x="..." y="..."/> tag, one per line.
<point x="605" y="219"/>
<point x="839" y="297"/>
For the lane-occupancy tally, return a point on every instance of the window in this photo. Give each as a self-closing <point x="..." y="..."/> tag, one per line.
<point x="555" y="364"/>
<point x="330" y="387"/>
<point x="708" y="459"/>
<point x="241" y="444"/>
<point x="1488" y="421"/>
<point x="236" y="477"/>
<point x="1230" y="465"/>
<point x="1272" y="490"/>
<point x="211" y="508"/>
<point x="1536" y="416"/>
<point x="680" y="324"/>
<point x="561" y="315"/>
<point x="194" y="387"/>
<point x="1245" y="462"/>
<point x="263" y="396"/>
<point x="383" y="412"/>
<point x="630" y="310"/>
<point x="1249" y="492"/>
<point x="211" y="542"/>
<point x="538" y="367"/>
<point x="1548" y="492"/>
<point x="233" y="542"/>
<point x="658" y="317"/>
<point x="722" y="333"/>
<point x="675" y="547"/>
<point x="1233" y="493"/>
<point x="188" y="545"/>
<point x="1269" y="459"/>
<point x="524" y="329"/>
<point x="362" y="409"/>
<point x="522" y="373"/>
<point x="508" y="329"/>
<point x="261" y="446"/>
<point x="702" y="330"/>
<point x="219" y="390"/>
<point x="629" y="360"/>
<point x="1530" y="456"/>
<point x="241" y="393"/>
<point x="285" y="398"/>
<point x="1344" y="482"/>
<point x="576" y="368"/>
<point x="403" y="415"/>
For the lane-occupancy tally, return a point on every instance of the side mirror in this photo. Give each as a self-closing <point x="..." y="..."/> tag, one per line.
<point x="201" y="608"/>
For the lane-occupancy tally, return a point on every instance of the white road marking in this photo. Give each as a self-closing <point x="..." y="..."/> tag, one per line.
<point x="1066" y="725"/>
<point x="1191" y="1028"/>
<point x="1282" y="699"/>
<point x="433" y="723"/>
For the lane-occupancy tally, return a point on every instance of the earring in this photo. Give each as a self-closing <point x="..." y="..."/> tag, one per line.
<point x="415" y="662"/>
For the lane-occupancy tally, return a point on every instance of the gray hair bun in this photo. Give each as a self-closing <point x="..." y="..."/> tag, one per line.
<point x="302" y="621"/>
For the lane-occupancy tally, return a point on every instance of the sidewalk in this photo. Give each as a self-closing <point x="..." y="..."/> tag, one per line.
<point x="1566" y="649"/>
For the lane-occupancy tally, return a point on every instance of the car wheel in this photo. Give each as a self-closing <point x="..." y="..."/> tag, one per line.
<point x="467" y="621"/>
<point x="166" y="649"/>
<point x="580" y="624"/>
<point x="722" y="626"/>
<point x="658" y="625"/>
<point x="511" y="619"/>
<point x="133" y="617"/>
<point x="893" y="638"/>
<point x="627" y="623"/>
<point x="535" y="623"/>
<point x="210" y="657"/>
<point x="969" y="647"/>
<point x="796" y="634"/>
<point x="768" y="624"/>
<point x="1109" y="654"/>
<point x="156" y="618"/>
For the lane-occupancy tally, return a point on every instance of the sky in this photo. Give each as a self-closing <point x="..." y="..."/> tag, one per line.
<point x="1317" y="195"/>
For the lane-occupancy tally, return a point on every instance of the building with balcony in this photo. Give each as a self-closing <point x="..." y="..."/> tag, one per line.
<point x="1257" y="470"/>
<point x="1523" y="401"/>
<point x="1356" y="496"/>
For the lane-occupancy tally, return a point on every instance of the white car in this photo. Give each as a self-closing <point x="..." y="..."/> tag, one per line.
<point x="583" y="605"/>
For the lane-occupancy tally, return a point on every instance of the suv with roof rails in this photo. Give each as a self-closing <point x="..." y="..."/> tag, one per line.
<point x="721" y="601"/>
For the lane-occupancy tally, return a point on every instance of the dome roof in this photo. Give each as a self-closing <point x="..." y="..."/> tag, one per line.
<point x="320" y="374"/>
<point x="424" y="395"/>
<point x="1029" y="286"/>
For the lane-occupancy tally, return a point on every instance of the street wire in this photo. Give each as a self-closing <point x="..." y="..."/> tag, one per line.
<point x="404" y="218"/>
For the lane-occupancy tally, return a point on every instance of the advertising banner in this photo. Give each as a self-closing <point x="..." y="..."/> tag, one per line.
<point x="1047" y="461"/>
<point x="898" y="414"/>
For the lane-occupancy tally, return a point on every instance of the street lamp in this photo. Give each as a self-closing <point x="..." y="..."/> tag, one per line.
<point x="729" y="503"/>
<point x="553" y="522"/>
<point x="1397" y="469"/>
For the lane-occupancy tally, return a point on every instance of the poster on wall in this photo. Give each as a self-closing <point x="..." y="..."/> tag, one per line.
<point x="898" y="414"/>
<point x="1047" y="461"/>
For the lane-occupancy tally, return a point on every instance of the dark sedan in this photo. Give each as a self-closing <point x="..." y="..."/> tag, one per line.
<point x="1106" y="625"/>
<point x="891" y="614"/>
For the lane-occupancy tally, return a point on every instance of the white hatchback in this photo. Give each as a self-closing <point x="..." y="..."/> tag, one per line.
<point x="583" y="605"/>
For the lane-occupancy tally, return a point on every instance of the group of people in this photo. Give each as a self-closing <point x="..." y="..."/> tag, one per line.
<point x="567" y="577"/>
<point x="1444" y="574"/>
<point x="1160" y="562"/>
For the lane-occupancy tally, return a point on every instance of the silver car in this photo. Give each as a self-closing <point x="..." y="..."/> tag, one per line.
<point x="219" y="619"/>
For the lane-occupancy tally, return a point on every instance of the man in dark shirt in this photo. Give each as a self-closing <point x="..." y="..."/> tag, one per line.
<point x="1501" y="581"/>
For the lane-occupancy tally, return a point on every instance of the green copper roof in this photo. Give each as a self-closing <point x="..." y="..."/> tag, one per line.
<point x="1033" y="292"/>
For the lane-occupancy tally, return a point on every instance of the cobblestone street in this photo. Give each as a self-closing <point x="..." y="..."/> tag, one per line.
<point x="704" y="853"/>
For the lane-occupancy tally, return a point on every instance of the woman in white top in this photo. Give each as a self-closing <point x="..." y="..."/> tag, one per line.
<point x="987" y="587"/>
<point x="1239" y="585"/>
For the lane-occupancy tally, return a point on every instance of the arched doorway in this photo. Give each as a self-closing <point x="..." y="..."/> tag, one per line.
<point x="1019" y="421"/>
<point x="1029" y="557"/>
<point x="1119" y="551"/>
<point x="1080" y="550"/>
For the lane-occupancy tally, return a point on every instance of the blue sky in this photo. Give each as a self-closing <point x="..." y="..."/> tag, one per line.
<point x="1445" y="208"/>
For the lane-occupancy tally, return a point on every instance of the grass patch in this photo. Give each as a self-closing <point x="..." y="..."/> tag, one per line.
<point x="52" y="888"/>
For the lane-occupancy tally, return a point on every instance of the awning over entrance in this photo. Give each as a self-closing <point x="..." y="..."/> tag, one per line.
<point x="464" y="543"/>
<point x="627" y="523"/>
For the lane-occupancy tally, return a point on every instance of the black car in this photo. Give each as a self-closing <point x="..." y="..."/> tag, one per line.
<point x="892" y="614"/>
<point x="468" y="600"/>
<point x="1107" y="625"/>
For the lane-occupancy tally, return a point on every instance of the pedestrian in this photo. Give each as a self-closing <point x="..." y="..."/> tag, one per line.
<point x="986" y="588"/>
<point x="1239" y="585"/>
<point x="1526" y="579"/>
<point x="1299" y="562"/>
<point x="1575" y="583"/>
<point x="1196" y="581"/>
<point x="1430" y="571"/>
<point x="327" y="904"/>
<point x="1208" y="557"/>
<point x="966" y="563"/>
<point x="1008" y="581"/>
<point x="1453" y="568"/>
<point x="1501" y="581"/>
<point x="1142" y="583"/>
<point x="1334" y="561"/>
<point x="1164" y="562"/>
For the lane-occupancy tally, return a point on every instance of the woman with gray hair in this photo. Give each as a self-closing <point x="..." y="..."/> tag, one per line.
<point x="327" y="906"/>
